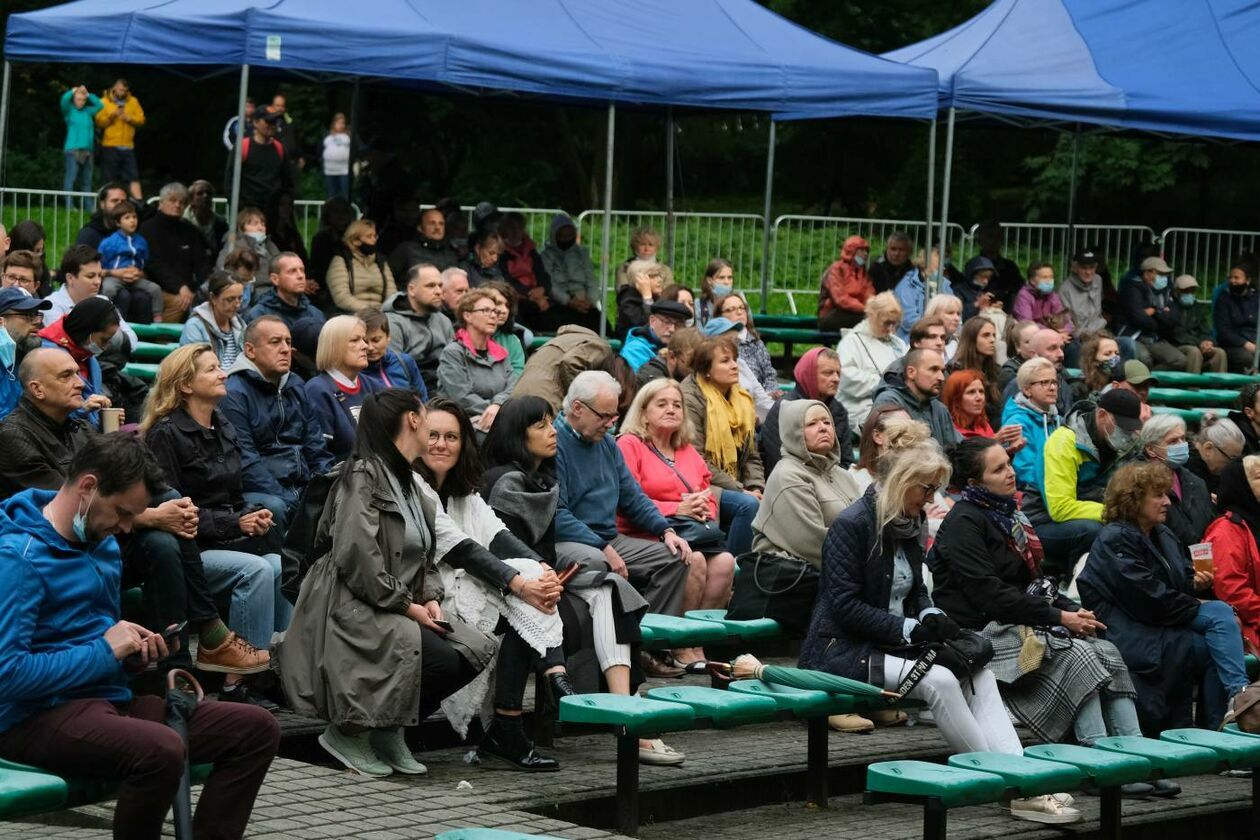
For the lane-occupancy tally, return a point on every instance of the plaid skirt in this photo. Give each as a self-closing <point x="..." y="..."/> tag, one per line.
<point x="1046" y="698"/>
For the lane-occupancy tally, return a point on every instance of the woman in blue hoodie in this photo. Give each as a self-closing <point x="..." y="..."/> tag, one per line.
<point x="1034" y="409"/>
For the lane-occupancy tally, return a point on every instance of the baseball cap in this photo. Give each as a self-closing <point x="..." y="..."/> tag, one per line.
<point x="266" y="113"/>
<point x="1136" y="373"/>
<point x="1125" y="406"/>
<point x="14" y="299"/>
<point x="1186" y="281"/>
<point x="718" y="326"/>
<point x="1156" y="263"/>
<point x="1084" y="256"/>
<point x="671" y="309"/>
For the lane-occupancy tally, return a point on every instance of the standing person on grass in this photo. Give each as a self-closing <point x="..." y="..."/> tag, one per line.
<point x="337" y="158"/>
<point x="78" y="108"/>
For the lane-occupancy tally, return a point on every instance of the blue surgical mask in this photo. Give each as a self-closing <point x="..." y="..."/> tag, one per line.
<point x="79" y="523"/>
<point x="1110" y="364"/>
<point x="8" y="349"/>
<point x="1045" y="287"/>
<point x="1186" y="300"/>
<point x="93" y="348"/>
<point x="1178" y="453"/>
<point x="721" y="291"/>
<point x="859" y="260"/>
<point x="256" y="235"/>
<point x="1161" y="282"/>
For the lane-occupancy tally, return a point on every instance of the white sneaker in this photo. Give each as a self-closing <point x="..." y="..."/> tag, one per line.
<point x="1043" y="809"/>
<point x="661" y="754"/>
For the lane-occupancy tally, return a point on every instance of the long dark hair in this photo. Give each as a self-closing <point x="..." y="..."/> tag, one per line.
<point x="506" y="442"/>
<point x="465" y="477"/>
<point x="968" y="358"/>
<point x="379" y="422"/>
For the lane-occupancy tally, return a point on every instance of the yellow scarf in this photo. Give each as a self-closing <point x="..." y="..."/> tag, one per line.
<point x="729" y="424"/>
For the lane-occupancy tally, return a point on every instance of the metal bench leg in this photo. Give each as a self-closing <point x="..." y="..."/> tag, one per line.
<point x="544" y="712"/>
<point x="816" y="772"/>
<point x="1109" y="808"/>
<point x="628" y="784"/>
<point x="1255" y="801"/>
<point x="934" y="820"/>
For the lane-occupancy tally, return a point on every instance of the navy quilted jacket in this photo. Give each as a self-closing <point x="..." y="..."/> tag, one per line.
<point x="851" y="614"/>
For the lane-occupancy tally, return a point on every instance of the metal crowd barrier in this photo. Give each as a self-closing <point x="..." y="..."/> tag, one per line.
<point x="1031" y="242"/>
<point x="1206" y="253"/>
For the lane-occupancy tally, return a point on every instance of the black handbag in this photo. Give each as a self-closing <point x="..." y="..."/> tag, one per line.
<point x="973" y="649"/>
<point x="701" y="536"/>
<point x="774" y="586"/>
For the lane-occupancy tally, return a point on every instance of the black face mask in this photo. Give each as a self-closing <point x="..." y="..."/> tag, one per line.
<point x="565" y="244"/>
<point x="367" y="249"/>
<point x="1238" y="291"/>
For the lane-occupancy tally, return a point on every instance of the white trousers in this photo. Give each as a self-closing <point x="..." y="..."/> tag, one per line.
<point x="969" y="714"/>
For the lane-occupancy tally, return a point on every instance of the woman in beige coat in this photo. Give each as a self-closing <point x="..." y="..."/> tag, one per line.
<point x="356" y="277"/>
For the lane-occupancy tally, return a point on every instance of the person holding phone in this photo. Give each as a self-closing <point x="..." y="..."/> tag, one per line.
<point x="240" y="550"/>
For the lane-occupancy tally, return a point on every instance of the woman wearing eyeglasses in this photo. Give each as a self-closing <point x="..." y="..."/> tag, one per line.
<point x="474" y="369"/>
<point x="1035" y="410"/>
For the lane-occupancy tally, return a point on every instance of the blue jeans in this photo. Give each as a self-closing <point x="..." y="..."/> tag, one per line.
<point x="1101" y="716"/>
<point x="736" y="511"/>
<point x="337" y="185"/>
<point x="1065" y="542"/>
<point x="1222" y="642"/>
<point x="78" y="176"/>
<point x="258" y="608"/>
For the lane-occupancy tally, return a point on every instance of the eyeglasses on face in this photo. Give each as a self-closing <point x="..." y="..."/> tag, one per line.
<point x="1046" y="383"/>
<point x="484" y="310"/>
<point x="604" y="416"/>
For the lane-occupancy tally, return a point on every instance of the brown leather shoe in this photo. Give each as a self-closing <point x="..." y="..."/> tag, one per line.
<point x="234" y="656"/>
<point x="654" y="667"/>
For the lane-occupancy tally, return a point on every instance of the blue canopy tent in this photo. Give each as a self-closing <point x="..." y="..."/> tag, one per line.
<point x="701" y="54"/>
<point x="1163" y="66"/>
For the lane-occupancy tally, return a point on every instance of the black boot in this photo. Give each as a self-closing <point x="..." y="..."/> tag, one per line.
<point x="560" y="685"/>
<point x="505" y="740"/>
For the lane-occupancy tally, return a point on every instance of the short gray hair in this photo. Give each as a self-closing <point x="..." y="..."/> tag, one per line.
<point x="637" y="267"/>
<point x="451" y="272"/>
<point x="1031" y="368"/>
<point x="173" y="190"/>
<point x="1153" y="431"/>
<point x="1221" y="432"/>
<point x="588" y="385"/>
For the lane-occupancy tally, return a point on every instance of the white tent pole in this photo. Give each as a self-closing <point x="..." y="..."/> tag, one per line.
<point x="931" y="185"/>
<point x="1071" y="216"/>
<point x="949" y="171"/>
<point x="4" y="116"/>
<point x="766" y="222"/>
<point x="669" y="183"/>
<point x="241" y="129"/>
<point x="606" y="245"/>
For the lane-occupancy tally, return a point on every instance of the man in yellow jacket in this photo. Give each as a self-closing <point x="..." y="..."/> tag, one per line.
<point x="118" y="120"/>
<point x="1067" y="510"/>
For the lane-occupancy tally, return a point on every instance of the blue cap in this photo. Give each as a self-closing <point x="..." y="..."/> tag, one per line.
<point x="14" y="299"/>
<point x="718" y="326"/>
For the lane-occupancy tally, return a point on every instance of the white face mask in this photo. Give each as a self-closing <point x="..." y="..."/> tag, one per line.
<point x="79" y="523"/>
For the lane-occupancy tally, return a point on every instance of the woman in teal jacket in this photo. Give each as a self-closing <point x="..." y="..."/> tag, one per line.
<point x="78" y="107"/>
<point x="1034" y="409"/>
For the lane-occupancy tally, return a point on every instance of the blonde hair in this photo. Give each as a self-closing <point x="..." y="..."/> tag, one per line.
<point x="882" y="302"/>
<point x="1031" y="368"/>
<point x="174" y="373"/>
<point x="942" y="303"/>
<point x="356" y="229"/>
<point x="333" y="338"/>
<point x="635" y="422"/>
<point x="903" y="469"/>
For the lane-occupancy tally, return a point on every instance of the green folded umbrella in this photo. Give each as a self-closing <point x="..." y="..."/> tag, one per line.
<point x="805" y="679"/>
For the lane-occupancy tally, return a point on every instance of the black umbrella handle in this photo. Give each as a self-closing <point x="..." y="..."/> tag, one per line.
<point x="190" y="684"/>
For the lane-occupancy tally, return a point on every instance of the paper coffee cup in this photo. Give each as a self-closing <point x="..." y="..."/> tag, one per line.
<point x="111" y="419"/>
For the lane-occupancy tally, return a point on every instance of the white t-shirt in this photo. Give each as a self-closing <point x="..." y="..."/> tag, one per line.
<point x="337" y="154"/>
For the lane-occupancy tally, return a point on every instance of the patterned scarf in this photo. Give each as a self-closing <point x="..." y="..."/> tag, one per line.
<point x="1004" y="512"/>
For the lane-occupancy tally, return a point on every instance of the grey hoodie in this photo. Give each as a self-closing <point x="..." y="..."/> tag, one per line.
<point x="422" y="337"/>
<point x="932" y="412"/>
<point x="805" y="492"/>
<point x="1085" y="302"/>
<point x="571" y="270"/>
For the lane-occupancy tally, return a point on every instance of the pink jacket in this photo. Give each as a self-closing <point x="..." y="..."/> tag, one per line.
<point x="659" y="482"/>
<point x="1047" y="310"/>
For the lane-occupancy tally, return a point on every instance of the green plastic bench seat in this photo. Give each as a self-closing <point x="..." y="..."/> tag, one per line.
<point x="489" y="834"/>
<point x="670" y="631"/>
<point x="804" y="322"/>
<point x="27" y="791"/>
<point x="723" y="709"/>
<point x="638" y="715"/>
<point x="1202" y="396"/>
<point x="140" y="370"/>
<point x="797" y="336"/>
<point x="1029" y="776"/>
<point x="1232" y="729"/>
<point x="1107" y="769"/>
<point x="749" y="630"/>
<point x="799" y="701"/>
<point x="1253" y="666"/>
<point x="1168" y="758"/>
<point x="158" y="332"/>
<point x="1240" y="753"/>
<point x="1192" y="416"/>
<point x="952" y="786"/>
<point x="148" y="351"/>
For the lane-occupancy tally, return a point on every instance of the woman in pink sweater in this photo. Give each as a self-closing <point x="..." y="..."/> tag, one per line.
<point x="656" y="444"/>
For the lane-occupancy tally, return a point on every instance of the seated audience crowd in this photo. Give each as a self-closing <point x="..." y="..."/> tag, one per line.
<point x="356" y="459"/>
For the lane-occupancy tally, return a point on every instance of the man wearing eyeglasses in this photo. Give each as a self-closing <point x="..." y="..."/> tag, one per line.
<point x="595" y="486"/>
<point x="644" y="343"/>
<point x="23" y="316"/>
